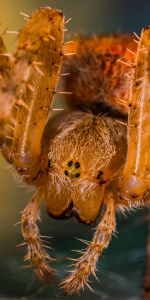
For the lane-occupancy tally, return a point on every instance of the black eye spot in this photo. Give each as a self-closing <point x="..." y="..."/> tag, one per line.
<point x="77" y="165"/>
<point x="70" y="163"/>
<point x="77" y="175"/>
<point x="101" y="172"/>
<point x="49" y="163"/>
<point x="66" y="173"/>
<point x="98" y="176"/>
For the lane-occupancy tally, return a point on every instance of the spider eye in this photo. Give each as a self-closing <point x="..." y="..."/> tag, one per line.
<point x="50" y="163"/>
<point x="98" y="174"/>
<point x="77" y="165"/>
<point x="66" y="173"/>
<point x="70" y="163"/>
<point x="77" y="175"/>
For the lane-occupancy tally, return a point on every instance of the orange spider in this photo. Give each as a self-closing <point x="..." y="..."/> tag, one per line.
<point x="79" y="160"/>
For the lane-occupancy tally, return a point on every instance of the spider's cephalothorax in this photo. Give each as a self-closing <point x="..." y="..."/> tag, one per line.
<point x="79" y="160"/>
<point x="85" y="153"/>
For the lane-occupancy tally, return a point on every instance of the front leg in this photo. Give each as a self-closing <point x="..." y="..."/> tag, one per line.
<point x="134" y="186"/>
<point x="87" y="263"/>
<point x="36" y="68"/>
<point x="135" y="181"/>
<point x="44" y="31"/>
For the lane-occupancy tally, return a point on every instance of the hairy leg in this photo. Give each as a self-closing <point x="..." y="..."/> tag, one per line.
<point x="135" y="180"/>
<point x="36" y="254"/>
<point x="87" y="263"/>
<point x="34" y="70"/>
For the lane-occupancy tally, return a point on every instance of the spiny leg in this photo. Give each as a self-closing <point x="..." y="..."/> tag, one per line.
<point x="10" y="82"/>
<point x="37" y="30"/>
<point x="134" y="185"/>
<point x="6" y="126"/>
<point x="87" y="263"/>
<point x="36" y="254"/>
<point x="39" y="91"/>
<point x="135" y="181"/>
<point x="36" y="66"/>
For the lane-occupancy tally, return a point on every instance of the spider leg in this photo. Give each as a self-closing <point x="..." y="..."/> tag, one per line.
<point x="135" y="181"/>
<point x="6" y="125"/>
<point x="87" y="263"/>
<point x="36" y="66"/>
<point x="36" y="253"/>
<point x="40" y="87"/>
<point x="134" y="184"/>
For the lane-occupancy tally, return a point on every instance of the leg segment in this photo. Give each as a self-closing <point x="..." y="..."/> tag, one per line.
<point x="87" y="262"/>
<point x="6" y="125"/>
<point x="34" y="70"/>
<point x="39" y="91"/>
<point x="36" y="254"/>
<point x="137" y="170"/>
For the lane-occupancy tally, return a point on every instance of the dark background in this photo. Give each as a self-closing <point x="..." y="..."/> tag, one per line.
<point x="120" y="276"/>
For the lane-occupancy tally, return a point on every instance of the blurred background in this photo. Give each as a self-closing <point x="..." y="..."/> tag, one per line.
<point x="121" y="273"/>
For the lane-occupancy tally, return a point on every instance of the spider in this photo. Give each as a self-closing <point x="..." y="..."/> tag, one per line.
<point x="87" y="161"/>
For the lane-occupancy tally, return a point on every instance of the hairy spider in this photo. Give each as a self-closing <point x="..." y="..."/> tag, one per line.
<point x="79" y="160"/>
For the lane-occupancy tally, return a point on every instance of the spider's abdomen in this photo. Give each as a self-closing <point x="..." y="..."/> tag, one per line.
<point x="96" y="77"/>
<point x="84" y="151"/>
